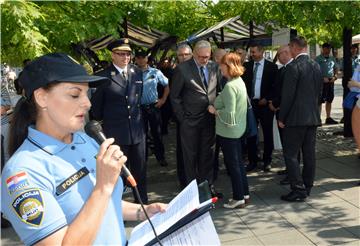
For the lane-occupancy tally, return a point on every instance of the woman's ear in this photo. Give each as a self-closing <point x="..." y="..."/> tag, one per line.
<point x="40" y="97"/>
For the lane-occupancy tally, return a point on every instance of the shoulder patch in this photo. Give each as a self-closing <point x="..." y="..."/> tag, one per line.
<point x="29" y="207"/>
<point x="16" y="182"/>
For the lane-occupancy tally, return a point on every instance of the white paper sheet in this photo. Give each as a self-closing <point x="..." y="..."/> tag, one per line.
<point x="185" y="202"/>
<point x="201" y="231"/>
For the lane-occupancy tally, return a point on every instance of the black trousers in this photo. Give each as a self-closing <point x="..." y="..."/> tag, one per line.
<point x="136" y="163"/>
<point x="264" y="116"/>
<point x="296" y="139"/>
<point x="198" y="143"/>
<point x="179" y="158"/>
<point x="152" y="119"/>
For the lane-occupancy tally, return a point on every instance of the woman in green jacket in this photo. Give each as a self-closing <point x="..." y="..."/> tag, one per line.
<point x="230" y="108"/>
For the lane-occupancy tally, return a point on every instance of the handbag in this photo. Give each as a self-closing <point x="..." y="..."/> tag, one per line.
<point x="251" y="124"/>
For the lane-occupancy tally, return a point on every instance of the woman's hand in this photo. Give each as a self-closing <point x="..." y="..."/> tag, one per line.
<point x="212" y="109"/>
<point x="109" y="162"/>
<point x="353" y="83"/>
<point x="153" y="209"/>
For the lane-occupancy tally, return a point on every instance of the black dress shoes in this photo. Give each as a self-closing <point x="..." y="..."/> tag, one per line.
<point x="285" y="181"/>
<point x="294" y="196"/>
<point x="282" y="172"/>
<point x="163" y="163"/>
<point x="250" y="167"/>
<point x="214" y="193"/>
<point x="267" y="168"/>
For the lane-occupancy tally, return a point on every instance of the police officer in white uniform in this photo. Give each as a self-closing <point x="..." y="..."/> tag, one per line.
<point x="59" y="187"/>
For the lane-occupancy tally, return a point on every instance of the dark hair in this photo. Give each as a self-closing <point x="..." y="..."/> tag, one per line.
<point x="326" y="45"/>
<point x="26" y="61"/>
<point x="24" y="115"/>
<point x="299" y="41"/>
<point x="233" y="61"/>
<point x="257" y="45"/>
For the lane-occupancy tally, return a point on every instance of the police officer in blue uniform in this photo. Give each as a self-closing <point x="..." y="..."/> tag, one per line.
<point x="59" y="187"/>
<point x="118" y="107"/>
<point x="151" y="103"/>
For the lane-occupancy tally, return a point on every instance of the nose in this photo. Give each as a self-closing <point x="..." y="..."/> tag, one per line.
<point x="86" y="103"/>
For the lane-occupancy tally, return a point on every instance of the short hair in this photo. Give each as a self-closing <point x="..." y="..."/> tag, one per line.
<point x="258" y="46"/>
<point x="233" y="61"/>
<point x="326" y="45"/>
<point x="184" y="46"/>
<point x="202" y="44"/>
<point x="299" y="41"/>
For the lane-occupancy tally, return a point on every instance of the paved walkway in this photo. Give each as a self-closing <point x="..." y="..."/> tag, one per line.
<point x="330" y="216"/>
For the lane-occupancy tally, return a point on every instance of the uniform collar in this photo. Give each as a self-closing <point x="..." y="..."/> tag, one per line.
<point x="50" y="144"/>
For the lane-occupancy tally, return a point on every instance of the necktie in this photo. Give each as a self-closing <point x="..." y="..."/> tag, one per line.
<point x="203" y="77"/>
<point x="124" y="75"/>
<point x="254" y="79"/>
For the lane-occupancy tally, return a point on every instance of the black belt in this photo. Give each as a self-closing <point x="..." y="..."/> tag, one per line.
<point x="148" y="106"/>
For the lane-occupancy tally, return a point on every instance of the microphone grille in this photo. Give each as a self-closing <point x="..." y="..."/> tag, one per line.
<point x="93" y="127"/>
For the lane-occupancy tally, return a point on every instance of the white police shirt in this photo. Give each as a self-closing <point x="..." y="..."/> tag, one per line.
<point x="46" y="183"/>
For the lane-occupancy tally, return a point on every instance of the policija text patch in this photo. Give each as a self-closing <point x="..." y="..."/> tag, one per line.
<point x="70" y="181"/>
<point x="29" y="206"/>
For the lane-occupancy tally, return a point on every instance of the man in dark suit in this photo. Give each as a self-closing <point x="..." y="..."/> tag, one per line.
<point x="193" y="90"/>
<point x="299" y="117"/>
<point x="118" y="107"/>
<point x="284" y="57"/>
<point x="259" y="77"/>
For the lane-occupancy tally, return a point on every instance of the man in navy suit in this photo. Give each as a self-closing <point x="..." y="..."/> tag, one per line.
<point x="259" y="77"/>
<point x="193" y="91"/>
<point x="118" y="107"/>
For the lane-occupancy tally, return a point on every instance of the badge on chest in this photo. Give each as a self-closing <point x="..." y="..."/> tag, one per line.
<point x="70" y="181"/>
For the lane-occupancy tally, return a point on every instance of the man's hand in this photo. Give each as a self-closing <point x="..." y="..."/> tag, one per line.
<point x="281" y="124"/>
<point x="263" y="102"/>
<point x="272" y="108"/>
<point x="332" y="80"/>
<point x="326" y="80"/>
<point x="160" y="103"/>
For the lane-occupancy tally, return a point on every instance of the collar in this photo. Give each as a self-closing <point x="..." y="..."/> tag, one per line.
<point x="301" y="54"/>
<point x="120" y="69"/>
<point x="261" y="62"/>
<point x="198" y="65"/>
<point x="288" y="62"/>
<point x="50" y="144"/>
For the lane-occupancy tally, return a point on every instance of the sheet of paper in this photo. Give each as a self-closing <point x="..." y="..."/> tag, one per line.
<point x="200" y="231"/>
<point x="185" y="202"/>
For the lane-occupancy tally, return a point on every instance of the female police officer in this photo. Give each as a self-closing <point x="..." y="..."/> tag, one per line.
<point x="58" y="188"/>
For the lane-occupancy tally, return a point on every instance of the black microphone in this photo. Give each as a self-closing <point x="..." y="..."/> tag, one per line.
<point x="94" y="130"/>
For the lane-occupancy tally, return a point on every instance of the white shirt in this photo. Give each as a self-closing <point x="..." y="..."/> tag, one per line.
<point x="259" y="73"/>
<point x="120" y="69"/>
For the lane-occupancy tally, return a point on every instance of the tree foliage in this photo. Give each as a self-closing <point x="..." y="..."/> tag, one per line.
<point x="29" y="29"/>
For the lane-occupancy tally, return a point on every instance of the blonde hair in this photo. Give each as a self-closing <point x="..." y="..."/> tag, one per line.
<point x="233" y="62"/>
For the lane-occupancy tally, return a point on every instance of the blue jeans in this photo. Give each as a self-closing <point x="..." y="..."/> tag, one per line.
<point x="232" y="150"/>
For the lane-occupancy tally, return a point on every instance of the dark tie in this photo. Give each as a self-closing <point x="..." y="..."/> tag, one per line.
<point x="203" y="77"/>
<point x="124" y="75"/>
<point x="254" y="79"/>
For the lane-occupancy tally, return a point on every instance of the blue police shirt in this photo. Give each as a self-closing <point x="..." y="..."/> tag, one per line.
<point x="46" y="183"/>
<point x="151" y="78"/>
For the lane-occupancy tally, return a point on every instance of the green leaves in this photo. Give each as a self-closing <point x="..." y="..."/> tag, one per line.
<point x="30" y="29"/>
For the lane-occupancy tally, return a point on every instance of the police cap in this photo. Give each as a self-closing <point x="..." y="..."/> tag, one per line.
<point x="55" y="67"/>
<point x="141" y="53"/>
<point x="120" y="44"/>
